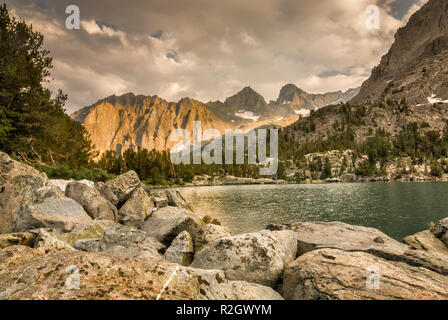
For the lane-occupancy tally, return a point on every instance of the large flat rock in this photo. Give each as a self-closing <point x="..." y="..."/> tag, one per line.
<point x="343" y="275"/>
<point x="122" y="241"/>
<point x="337" y="235"/>
<point x="27" y="273"/>
<point x="53" y="210"/>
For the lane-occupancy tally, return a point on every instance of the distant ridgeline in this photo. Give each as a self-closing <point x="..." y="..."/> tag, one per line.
<point x="368" y="137"/>
<point x="336" y="140"/>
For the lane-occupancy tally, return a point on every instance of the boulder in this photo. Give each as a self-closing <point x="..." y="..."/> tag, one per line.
<point x="210" y="233"/>
<point x="27" y="273"/>
<point x="137" y="209"/>
<point x="159" y="198"/>
<point x="343" y="275"/>
<point x="48" y="240"/>
<point x="119" y="189"/>
<point x="210" y="220"/>
<point x="253" y="257"/>
<point x="317" y="235"/>
<point x="288" y="238"/>
<point x="10" y="168"/>
<point x="166" y="223"/>
<point x="181" y="250"/>
<point x="337" y="235"/>
<point x="17" y="191"/>
<point x="164" y="198"/>
<point x="175" y="199"/>
<point x="62" y="184"/>
<point x="49" y="208"/>
<point x="427" y="241"/>
<point x="17" y="239"/>
<point x="96" y="206"/>
<point x="91" y="230"/>
<point x="42" y="239"/>
<point x="441" y="230"/>
<point x="122" y="241"/>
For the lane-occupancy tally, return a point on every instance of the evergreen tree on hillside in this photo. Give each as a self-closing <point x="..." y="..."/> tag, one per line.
<point x="33" y="125"/>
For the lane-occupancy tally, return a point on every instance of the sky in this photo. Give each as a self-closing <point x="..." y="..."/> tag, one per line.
<point x="209" y="50"/>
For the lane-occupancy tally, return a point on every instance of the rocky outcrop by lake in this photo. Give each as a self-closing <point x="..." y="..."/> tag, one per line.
<point x="122" y="240"/>
<point x="343" y="165"/>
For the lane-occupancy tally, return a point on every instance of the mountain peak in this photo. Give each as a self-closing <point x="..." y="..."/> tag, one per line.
<point x="125" y="99"/>
<point x="415" y="67"/>
<point x="291" y="86"/>
<point x="246" y="97"/>
<point x="289" y="92"/>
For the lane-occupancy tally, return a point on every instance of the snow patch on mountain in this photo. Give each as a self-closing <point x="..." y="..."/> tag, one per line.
<point x="303" y="112"/>
<point x="434" y="99"/>
<point x="248" y="115"/>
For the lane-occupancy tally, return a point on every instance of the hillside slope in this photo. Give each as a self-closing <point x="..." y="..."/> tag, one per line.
<point x="416" y="66"/>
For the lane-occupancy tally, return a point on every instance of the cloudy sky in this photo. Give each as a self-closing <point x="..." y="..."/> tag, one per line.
<point x="208" y="50"/>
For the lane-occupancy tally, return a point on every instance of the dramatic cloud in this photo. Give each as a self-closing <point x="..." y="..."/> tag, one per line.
<point x="208" y="50"/>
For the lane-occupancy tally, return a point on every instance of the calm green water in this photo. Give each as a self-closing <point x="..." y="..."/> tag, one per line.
<point x="398" y="209"/>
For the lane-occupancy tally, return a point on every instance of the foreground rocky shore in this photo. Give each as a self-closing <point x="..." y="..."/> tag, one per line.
<point x="121" y="240"/>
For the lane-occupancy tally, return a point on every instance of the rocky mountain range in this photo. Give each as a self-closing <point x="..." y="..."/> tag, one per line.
<point x="249" y="106"/>
<point x="397" y="119"/>
<point x="300" y="102"/>
<point x="120" y="122"/>
<point x="416" y="66"/>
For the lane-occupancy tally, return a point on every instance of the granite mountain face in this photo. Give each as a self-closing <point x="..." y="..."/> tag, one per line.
<point x="416" y="66"/>
<point x="300" y="102"/>
<point x="245" y="106"/>
<point x="121" y="122"/>
<point x="408" y="88"/>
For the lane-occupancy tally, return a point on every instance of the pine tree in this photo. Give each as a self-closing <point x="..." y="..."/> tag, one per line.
<point x="34" y="126"/>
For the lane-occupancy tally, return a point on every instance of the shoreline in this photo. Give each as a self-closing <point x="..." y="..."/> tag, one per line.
<point x="311" y="182"/>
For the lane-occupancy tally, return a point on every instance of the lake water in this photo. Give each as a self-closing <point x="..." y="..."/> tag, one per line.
<point x="398" y="209"/>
